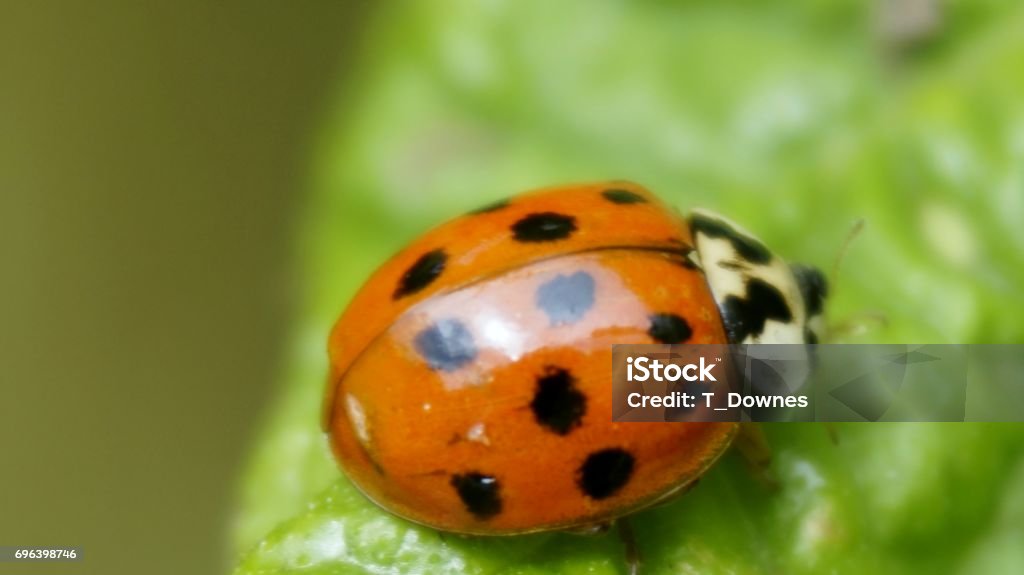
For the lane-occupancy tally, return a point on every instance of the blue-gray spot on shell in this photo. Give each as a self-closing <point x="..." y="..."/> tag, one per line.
<point x="566" y="299"/>
<point x="446" y="345"/>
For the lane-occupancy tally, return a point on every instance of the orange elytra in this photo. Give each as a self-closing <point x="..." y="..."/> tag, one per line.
<point x="470" y="380"/>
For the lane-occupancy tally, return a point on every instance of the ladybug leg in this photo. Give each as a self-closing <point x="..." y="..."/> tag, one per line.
<point x="632" y="550"/>
<point x="753" y="446"/>
<point x="833" y="433"/>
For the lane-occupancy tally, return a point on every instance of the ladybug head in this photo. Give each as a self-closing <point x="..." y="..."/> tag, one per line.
<point x="761" y="298"/>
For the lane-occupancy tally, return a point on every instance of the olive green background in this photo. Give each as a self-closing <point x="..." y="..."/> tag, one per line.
<point x="192" y="191"/>
<point x="151" y="158"/>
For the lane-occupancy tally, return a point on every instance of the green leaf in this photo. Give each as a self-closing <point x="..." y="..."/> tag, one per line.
<point x="791" y="120"/>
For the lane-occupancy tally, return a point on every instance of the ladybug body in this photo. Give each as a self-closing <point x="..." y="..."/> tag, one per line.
<point x="470" y="382"/>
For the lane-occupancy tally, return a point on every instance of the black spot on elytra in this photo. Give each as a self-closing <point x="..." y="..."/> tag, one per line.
<point x="813" y="287"/>
<point x="480" y="493"/>
<point x="557" y="404"/>
<point x="544" y="227"/>
<point x="447" y="345"/>
<point x="747" y="247"/>
<point x="746" y="316"/>
<point x="682" y="412"/>
<point x="605" y="472"/>
<point x="620" y="196"/>
<point x="491" y="207"/>
<point x="669" y="328"/>
<point x="420" y="274"/>
<point x="566" y="298"/>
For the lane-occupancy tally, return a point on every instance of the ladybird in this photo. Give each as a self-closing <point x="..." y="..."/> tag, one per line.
<point x="470" y="385"/>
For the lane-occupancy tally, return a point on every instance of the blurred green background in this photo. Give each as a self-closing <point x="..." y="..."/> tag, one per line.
<point x="177" y="174"/>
